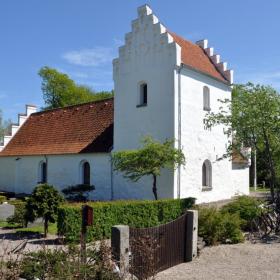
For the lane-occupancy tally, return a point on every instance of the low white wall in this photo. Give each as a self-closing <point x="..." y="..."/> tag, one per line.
<point x="240" y="176"/>
<point x="21" y="174"/>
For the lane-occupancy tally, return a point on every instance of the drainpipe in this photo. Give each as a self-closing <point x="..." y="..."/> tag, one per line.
<point x="112" y="174"/>
<point x="46" y="158"/>
<point x="179" y="129"/>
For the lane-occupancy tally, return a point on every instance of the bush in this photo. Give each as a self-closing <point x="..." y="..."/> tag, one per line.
<point x="216" y="227"/>
<point x="61" y="264"/>
<point x="19" y="218"/>
<point x="2" y="199"/>
<point x="107" y="214"/>
<point x="44" y="202"/>
<point x="247" y="208"/>
<point x="78" y="193"/>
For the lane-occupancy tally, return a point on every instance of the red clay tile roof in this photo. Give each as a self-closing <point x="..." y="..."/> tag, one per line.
<point x="195" y="57"/>
<point x="238" y="158"/>
<point x="84" y="128"/>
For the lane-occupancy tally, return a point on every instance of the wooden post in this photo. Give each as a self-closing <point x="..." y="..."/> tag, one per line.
<point x="191" y="235"/>
<point x="87" y="220"/>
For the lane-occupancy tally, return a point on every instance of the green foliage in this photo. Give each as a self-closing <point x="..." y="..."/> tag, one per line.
<point x="43" y="202"/>
<point x="3" y="198"/>
<point x="5" y="127"/>
<point x="60" y="91"/>
<point x="107" y="214"/>
<point x="254" y="122"/>
<point x="149" y="160"/>
<point x="78" y="193"/>
<point x="65" y="264"/>
<point x="247" y="208"/>
<point x="19" y="218"/>
<point x="216" y="227"/>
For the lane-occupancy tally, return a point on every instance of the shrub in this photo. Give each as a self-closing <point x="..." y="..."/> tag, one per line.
<point x="43" y="202"/>
<point x="65" y="263"/>
<point x="78" y="193"/>
<point x="107" y="214"/>
<point x="19" y="218"/>
<point x="216" y="227"/>
<point x="247" y="208"/>
<point x="2" y="199"/>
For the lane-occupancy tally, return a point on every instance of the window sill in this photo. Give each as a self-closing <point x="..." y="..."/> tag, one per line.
<point x="206" y="109"/>
<point x="141" y="105"/>
<point x="206" y="189"/>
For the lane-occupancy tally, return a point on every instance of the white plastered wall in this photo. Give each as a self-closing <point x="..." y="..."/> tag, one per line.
<point x="200" y="144"/>
<point x="149" y="55"/>
<point x="21" y="174"/>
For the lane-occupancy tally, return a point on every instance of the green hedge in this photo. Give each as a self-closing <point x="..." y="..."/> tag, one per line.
<point x="106" y="214"/>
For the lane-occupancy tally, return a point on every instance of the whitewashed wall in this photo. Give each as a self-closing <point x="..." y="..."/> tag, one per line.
<point x="200" y="144"/>
<point x="149" y="55"/>
<point x="22" y="175"/>
<point x="240" y="176"/>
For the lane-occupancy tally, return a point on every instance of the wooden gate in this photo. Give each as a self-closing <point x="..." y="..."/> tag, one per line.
<point x="157" y="248"/>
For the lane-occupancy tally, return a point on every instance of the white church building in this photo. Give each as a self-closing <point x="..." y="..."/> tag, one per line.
<point x="164" y="86"/>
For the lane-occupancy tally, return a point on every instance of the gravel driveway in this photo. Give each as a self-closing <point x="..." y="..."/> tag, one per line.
<point x="242" y="261"/>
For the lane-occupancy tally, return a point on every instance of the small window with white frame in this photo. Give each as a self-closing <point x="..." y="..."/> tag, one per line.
<point x="143" y="95"/>
<point x="206" y="99"/>
<point x="206" y="175"/>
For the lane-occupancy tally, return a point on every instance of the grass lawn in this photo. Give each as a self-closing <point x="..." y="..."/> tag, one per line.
<point x="252" y="189"/>
<point x="39" y="229"/>
<point x="35" y="229"/>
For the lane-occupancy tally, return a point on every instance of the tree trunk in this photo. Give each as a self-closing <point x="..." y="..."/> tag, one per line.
<point x="155" y="186"/>
<point x="46" y="227"/>
<point x="270" y="167"/>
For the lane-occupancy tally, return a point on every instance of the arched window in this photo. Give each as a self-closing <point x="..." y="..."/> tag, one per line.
<point x="206" y="99"/>
<point x="86" y="173"/>
<point x="143" y="95"/>
<point x="42" y="174"/>
<point x="206" y="174"/>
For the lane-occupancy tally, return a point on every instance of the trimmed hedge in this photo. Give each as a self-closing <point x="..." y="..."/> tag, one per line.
<point x="107" y="214"/>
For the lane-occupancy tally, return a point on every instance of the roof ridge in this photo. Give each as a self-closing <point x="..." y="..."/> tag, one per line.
<point x="73" y="106"/>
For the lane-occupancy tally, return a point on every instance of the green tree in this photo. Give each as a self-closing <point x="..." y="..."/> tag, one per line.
<point x="60" y="91"/>
<point x="4" y="127"/>
<point x="254" y="122"/>
<point x="148" y="161"/>
<point x="43" y="203"/>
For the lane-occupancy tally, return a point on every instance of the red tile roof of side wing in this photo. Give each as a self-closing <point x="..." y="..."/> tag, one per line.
<point x="195" y="57"/>
<point x="84" y="128"/>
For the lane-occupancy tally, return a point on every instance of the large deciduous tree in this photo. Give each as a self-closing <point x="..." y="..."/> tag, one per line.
<point x="254" y="122"/>
<point x="148" y="160"/>
<point x="60" y="91"/>
<point x="4" y="127"/>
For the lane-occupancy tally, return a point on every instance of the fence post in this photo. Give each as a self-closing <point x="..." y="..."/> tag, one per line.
<point x="120" y="246"/>
<point x="191" y="235"/>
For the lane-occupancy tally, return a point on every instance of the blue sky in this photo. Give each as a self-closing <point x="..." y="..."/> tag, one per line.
<point x="80" y="38"/>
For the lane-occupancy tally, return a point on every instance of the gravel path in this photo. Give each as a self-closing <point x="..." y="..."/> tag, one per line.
<point x="227" y="262"/>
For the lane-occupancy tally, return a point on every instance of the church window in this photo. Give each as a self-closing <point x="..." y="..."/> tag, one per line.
<point x="86" y="173"/>
<point x="206" y="175"/>
<point x="143" y="95"/>
<point x="42" y="178"/>
<point x="206" y="99"/>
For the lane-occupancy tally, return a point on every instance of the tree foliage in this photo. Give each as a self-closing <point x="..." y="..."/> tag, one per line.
<point x="148" y="161"/>
<point x="254" y="122"/>
<point x="60" y="91"/>
<point x="43" y="203"/>
<point x="4" y="126"/>
<point x="78" y="193"/>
